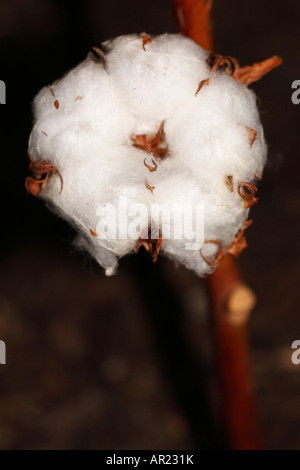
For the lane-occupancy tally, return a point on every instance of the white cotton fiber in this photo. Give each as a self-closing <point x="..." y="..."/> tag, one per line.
<point x="97" y="127"/>
<point x="156" y="83"/>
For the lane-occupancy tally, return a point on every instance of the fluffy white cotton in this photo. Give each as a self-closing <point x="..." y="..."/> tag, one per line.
<point x="86" y="123"/>
<point x="155" y="81"/>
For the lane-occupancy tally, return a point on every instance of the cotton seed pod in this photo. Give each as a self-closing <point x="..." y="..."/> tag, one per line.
<point x="149" y="122"/>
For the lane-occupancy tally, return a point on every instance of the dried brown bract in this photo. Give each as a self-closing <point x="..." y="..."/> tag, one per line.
<point x="237" y="246"/>
<point x="247" y="191"/>
<point x="229" y="182"/>
<point x="251" y="135"/>
<point x="42" y="171"/>
<point x="151" y="244"/>
<point x="252" y="73"/>
<point x="149" y="187"/>
<point x="218" y="256"/>
<point x="224" y="63"/>
<point x="240" y="242"/>
<point x="153" y="143"/>
<point x="151" y="168"/>
<point x="246" y="75"/>
<point x="146" y="40"/>
<point x="99" y="54"/>
<point x="201" y="85"/>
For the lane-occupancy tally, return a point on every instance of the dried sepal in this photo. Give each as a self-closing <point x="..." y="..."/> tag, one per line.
<point x="151" y="168"/>
<point x="246" y="75"/>
<point x="99" y="55"/>
<point x="252" y="73"/>
<point x="218" y="256"/>
<point x="42" y="170"/>
<point x="251" y="135"/>
<point x="201" y="85"/>
<point x="151" y="188"/>
<point x="228" y="179"/>
<point x="237" y="246"/>
<point x="146" y="40"/>
<point x="239" y="243"/>
<point x="151" y="244"/>
<point x="153" y="143"/>
<point x="247" y="192"/>
<point x="223" y="63"/>
<point x="33" y="186"/>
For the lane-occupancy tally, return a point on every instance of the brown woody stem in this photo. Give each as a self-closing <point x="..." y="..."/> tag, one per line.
<point x="232" y="302"/>
<point x="252" y="73"/>
<point x="194" y="21"/>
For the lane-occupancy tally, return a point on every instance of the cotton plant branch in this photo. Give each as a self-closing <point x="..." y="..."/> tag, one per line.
<point x="194" y="21"/>
<point x="252" y="73"/>
<point x="231" y="304"/>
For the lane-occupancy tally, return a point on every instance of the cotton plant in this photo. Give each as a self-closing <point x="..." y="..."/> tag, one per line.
<point x="145" y="123"/>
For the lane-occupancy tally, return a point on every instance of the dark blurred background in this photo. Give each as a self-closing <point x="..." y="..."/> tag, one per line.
<point x="128" y="362"/>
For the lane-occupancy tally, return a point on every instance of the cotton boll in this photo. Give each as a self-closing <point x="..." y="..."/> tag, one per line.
<point x="123" y="136"/>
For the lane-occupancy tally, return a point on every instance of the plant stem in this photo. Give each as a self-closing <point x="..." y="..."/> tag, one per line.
<point x="194" y="21"/>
